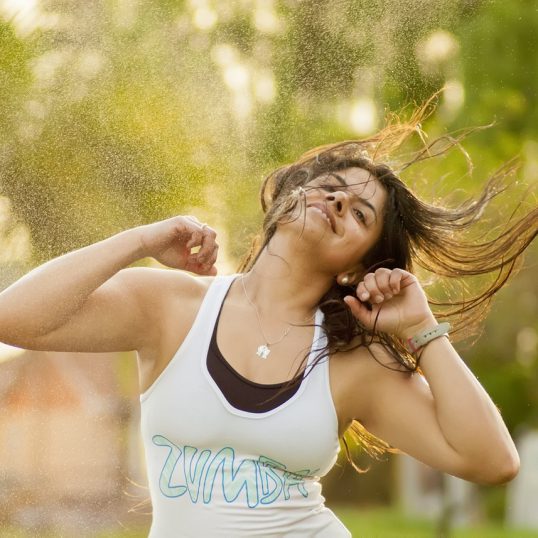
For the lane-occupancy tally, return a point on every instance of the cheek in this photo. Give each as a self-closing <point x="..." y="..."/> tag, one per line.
<point x="357" y="245"/>
<point x="356" y="236"/>
<point x="349" y="251"/>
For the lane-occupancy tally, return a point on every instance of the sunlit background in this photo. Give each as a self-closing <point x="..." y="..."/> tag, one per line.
<point x="116" y="113"/>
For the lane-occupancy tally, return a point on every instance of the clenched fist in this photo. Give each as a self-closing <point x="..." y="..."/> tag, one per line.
<point x="393" y="300"/>
<point x="170" y="242"/>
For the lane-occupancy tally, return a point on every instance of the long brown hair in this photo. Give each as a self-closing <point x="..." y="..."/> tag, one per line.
<point x="416" y="234"/>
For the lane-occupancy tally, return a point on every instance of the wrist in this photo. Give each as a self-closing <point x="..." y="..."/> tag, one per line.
<point x="412" y="330"/>
<point x="136" y="235"/>
<point x="132" y="238"/>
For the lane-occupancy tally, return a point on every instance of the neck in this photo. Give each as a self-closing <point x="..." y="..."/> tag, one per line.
<point x="282" y="285"/>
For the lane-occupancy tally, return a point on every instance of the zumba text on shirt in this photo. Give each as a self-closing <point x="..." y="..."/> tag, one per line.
<point x="193" y="471"/>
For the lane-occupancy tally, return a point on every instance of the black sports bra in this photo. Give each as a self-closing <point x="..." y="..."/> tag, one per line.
<point x="240" y="392"/>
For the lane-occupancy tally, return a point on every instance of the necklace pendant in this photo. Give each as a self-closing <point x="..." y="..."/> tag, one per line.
<point x="263" y="351"/>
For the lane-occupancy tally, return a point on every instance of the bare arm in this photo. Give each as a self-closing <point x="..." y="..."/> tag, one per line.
<point x="45" y="298"/>
<point x="449" y="422"/>
<point x="469" y="419"/>
<point x="86" y="300"/>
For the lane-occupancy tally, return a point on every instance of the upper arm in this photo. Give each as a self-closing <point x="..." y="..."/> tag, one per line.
<point x="401" y="411"/>
<point x="123" y="314"/>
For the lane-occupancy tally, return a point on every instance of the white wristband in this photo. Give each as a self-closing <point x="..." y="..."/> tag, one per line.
<point x="423" y="337"/>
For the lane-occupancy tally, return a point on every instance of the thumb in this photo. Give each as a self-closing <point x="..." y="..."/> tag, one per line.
<point x="360" y="311"/>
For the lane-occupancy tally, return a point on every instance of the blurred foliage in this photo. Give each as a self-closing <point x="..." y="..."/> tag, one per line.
<point x="114" y="114"/>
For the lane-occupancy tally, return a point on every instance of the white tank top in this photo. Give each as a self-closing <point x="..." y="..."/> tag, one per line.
<point x="217" y="471"/>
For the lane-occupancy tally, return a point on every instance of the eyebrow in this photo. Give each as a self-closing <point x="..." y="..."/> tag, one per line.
<point x="362" y="200"/>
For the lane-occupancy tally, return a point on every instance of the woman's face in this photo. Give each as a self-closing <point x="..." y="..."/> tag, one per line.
<point x="342" y="217"/>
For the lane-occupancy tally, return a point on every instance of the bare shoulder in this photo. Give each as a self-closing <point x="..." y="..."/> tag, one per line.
<point x="357" y="373"/>
<point x="169" y="294"/>
<point x="153" y="283"/>
<point x="382" y="363"/>
<point x="399" y="408"/>
<point x="127" y="312"/>
<point x="175" y="297"/>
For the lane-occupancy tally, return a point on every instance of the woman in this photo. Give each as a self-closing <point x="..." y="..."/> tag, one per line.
<point x="242" y="410"/>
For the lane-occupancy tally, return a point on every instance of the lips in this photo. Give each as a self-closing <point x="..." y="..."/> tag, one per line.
<point x="323" y="208"/>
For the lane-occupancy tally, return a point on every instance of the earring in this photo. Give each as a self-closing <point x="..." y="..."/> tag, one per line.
<point x="345" y="280"/>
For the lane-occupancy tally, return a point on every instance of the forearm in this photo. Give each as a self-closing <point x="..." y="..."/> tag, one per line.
<point x="46" y="297"/>
<point x="468" y="418"/>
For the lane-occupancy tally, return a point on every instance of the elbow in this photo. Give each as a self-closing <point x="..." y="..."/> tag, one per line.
<point x="502" y="474"/>
<point x="510" y="472"/>
<point x="504" y="478"/>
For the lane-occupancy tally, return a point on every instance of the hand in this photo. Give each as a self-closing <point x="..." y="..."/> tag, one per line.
<point x="397" y="297"/>
<point x="170" y="242"/>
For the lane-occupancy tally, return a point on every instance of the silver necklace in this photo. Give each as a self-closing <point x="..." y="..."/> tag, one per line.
<point x="263" y="349"/>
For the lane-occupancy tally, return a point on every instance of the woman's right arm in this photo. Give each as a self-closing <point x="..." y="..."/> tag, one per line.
<point x="87" y="300"/>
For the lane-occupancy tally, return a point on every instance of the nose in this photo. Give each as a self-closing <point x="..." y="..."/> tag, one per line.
<point x="338" y="201"/>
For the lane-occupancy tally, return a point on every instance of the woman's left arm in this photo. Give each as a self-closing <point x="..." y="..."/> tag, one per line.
<point x="467" y="417"/>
